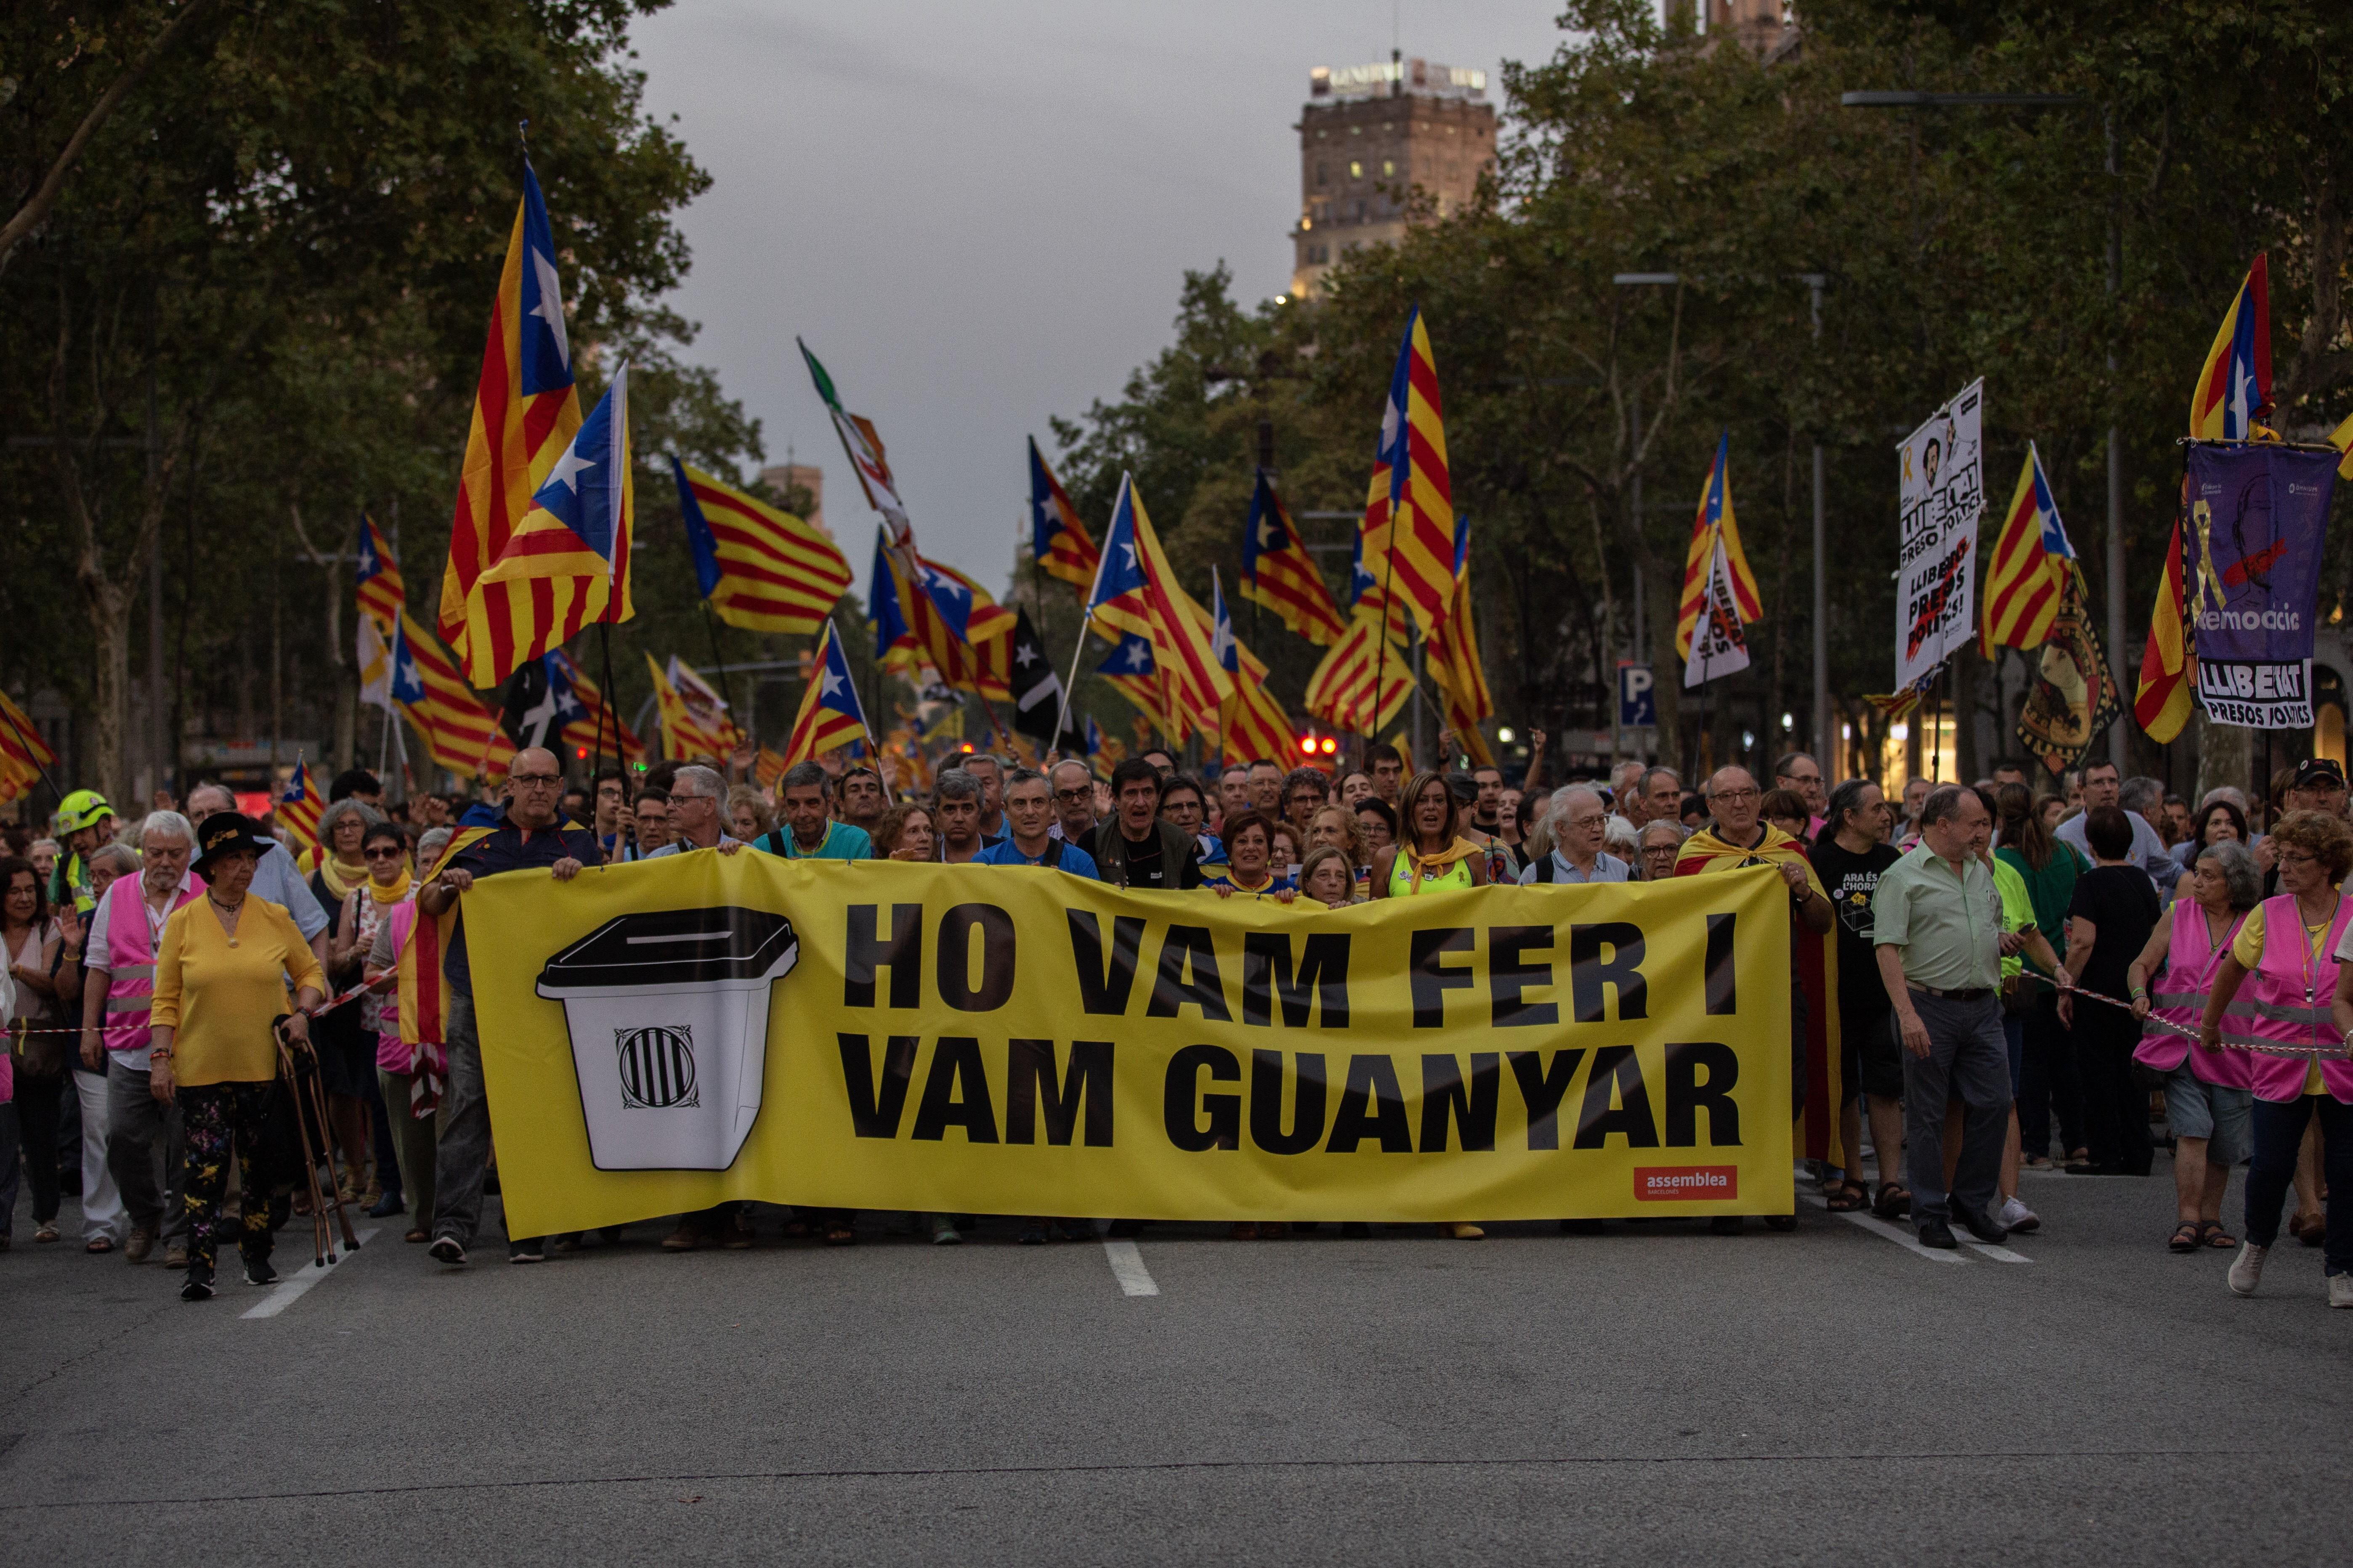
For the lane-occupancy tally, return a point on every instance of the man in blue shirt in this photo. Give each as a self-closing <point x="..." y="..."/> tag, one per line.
<point x="530" y="834"/>
<point x="1030" y="811"/>
<point x="804" y="797"/>
<point x="1579" y="823"/>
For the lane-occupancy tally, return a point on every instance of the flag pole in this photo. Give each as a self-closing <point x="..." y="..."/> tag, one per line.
<point x="1079" y="646"/>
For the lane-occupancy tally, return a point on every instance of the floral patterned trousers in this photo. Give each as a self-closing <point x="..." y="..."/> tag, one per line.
<point x="213" y="1113"/>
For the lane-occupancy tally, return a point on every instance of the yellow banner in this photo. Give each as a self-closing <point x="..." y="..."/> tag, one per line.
<point x="671" y="1034"/>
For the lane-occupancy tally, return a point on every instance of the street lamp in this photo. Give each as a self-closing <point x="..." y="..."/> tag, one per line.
<point x="2115" y="541"/>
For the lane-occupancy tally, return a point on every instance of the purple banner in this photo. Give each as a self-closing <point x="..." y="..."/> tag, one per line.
<point x="2258" y="517"/>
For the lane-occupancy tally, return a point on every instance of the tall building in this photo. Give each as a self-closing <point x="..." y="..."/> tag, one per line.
<point x="1371" y="136"/>
<point x="808" y="476"/>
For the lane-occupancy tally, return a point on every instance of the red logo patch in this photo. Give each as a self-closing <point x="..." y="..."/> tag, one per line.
<point x="1682" y="1184"/>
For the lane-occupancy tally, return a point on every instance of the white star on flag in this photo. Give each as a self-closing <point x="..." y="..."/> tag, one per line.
<point x="1024" y="654"/>
<point x="551" y="305"/>
<point x="831" y="682"/>
<point x="568" y="468"/>
<point x="1129" y="551"/>
<point x="1137" y="657"/>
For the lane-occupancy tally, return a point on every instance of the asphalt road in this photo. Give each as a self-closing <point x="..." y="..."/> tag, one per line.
<point x="1655" y="1395"/>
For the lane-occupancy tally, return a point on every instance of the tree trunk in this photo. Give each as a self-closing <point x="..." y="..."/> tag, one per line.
<point x="2224" y="757"/>
<point x="109" y="626"/>
<point x="1664" y="591"/>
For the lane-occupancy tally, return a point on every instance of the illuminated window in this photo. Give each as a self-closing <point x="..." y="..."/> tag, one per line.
<point x="1356" y="171"/>
<point x="1388" y="166"/>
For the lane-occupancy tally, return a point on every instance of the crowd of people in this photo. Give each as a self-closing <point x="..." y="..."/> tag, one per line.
<point x="2020" y="975"/>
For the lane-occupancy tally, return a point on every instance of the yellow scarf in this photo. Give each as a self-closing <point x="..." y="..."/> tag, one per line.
<point x="1418" y="865"/>
<point x="340" y="880"/>
<point x="396" y="892"/>
<point x="1704" y="852"/>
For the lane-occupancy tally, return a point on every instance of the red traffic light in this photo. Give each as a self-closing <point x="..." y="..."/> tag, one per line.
<point x="1307" y="746"/>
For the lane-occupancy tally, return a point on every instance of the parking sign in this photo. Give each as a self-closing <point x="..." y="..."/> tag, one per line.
<point x="1638" y="709"/>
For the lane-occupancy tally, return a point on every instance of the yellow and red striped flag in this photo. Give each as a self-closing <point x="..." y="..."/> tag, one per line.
<point x="830" y="715"/>
<point x="23" y="752"/>
<point x="1409" y="547"/>
<point x="1058" y="539"/>
<point x="460" y="734"/>
<point x="382" y="596"/>
<point x="761" y="569"/>
<point x="2029" y="568"/>
<point x="694" y="717"/>
<point x="2234" y="385"/>
<point x="767" y="767"/>
<point x="1279" y="572"/>
<point x="1340" y="692"/>
<point x="1454" y="661"/>
<point x="1712" y="521"/>
<point x="1137" y="591"/>
<point x="2162" y="701"/>
<point x="566" y="564"/>
<point x="526" y="414"/>
<point x="298" y="812"/>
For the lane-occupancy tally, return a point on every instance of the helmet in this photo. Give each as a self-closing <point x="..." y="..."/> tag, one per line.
<point x="83" y="808"/>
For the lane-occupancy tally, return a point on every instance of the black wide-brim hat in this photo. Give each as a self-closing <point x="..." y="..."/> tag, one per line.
<point x="226" y="833"/>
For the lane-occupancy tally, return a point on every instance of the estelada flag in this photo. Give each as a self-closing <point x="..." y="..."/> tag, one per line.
<point x="526" y="414"/>
<point x="382" y="596"/>
<point x="830" y="715"/>
<point x="2234" y="385"/>
<point x="2163" y="699"/>
<point x="1410" y="548"/>
<point x="1253" y="724"/>
<point x="1814" y="956"/>
<point x="1132" y="671"/>
<point x="1714" y="521"/>
<point x="1341" y="692"/>
<point x="566" y="564"/>
<point x="298" y="808"/>
<point x="1058" y="539"/>
<point x="1718" y="646"/>
<point x="590" y="726"/>
<point x="460" y="732"/>
<point x="1136" y="591"/>
<point x="760" y="568"/>
<point x="2029" y="567"/>
<point x="1279" y="572"/>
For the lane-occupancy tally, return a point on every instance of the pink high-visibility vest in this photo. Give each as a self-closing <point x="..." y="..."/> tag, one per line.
<point x="2289" y="992"/>
<point x="2179" y="996"/>
<point x="131" y="963"/>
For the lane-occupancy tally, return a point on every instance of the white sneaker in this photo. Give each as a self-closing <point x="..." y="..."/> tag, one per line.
<point x="2341" y="1290"/>
<point x="2247" y="1271"/>
<point x="2017" y="1216"/>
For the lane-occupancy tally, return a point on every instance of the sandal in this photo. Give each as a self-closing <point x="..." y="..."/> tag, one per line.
<point x="2211" y="1234"/>
<point x="47" y="1233"/>
<point x="1848" y="1197"/>
<point x="1895" y="1201"/>
<point x="417" y="1235"/>
<point x="100" y="1244"/>
<point x="2185" y="1237"/>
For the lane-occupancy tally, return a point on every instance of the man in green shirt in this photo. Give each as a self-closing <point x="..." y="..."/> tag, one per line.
<point x="1938" y="928"/>
<point x="804" y="799"/>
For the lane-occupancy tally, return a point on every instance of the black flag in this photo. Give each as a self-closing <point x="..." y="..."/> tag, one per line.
<point x="1037" y="690"/>
<point x="533" y="712"/>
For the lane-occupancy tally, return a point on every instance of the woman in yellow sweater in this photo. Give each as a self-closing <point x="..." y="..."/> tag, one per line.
<point x="221" y="976"/>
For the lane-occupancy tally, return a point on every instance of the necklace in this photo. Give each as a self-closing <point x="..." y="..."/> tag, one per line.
<point x="227" y="914"/>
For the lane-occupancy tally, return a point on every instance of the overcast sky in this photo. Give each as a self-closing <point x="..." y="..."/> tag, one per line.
<point x="979" y="214"/>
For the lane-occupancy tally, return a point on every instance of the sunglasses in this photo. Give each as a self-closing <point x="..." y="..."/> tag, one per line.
<point x="384" y="852"/>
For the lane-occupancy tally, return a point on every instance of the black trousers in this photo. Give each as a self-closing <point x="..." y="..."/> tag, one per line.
<point x="40" y="1111"/>
<point x="2115" y="1108"/>
<point x="2050" y="1084"/>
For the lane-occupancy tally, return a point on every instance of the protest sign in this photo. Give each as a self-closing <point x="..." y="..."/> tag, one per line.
<point x="2258" y="518"/>
<point x="1942" y="490"/>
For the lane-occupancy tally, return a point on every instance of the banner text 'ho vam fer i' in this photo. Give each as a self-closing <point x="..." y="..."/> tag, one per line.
<point x="665" y="1035"/>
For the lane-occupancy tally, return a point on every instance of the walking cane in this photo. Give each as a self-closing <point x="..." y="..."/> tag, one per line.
<point x="310" y="1114"/>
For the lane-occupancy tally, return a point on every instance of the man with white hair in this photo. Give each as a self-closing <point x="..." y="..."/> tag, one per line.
<point x="1625" y="781"/>
<point x="697" y="795"/>
<point x="276" y="879"/>
<point x="1579" y="821"/>
<point x="144" y="1147"/>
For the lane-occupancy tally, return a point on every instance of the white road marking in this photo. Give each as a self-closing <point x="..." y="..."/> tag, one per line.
<point x="291" y="1289"/>
<point x="1878" y="1226"/>
<point x="1999" y="1254"/>
<point x="1127" y="1267"/>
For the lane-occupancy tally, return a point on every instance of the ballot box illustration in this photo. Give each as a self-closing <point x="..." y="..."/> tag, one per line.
<point x="668" y="1013"/>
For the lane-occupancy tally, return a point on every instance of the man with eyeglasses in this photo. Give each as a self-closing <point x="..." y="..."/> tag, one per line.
<point x="1579" y="821"/>
<point x="529" y="835"/>
<point x="1266" y="788"/>
<point x="1736" y="838"/>
<point x="2103" y="785"/>
<point x="1305" y="792"/>
<point x="697" y="795"/>
<point x="1073" y="786"/>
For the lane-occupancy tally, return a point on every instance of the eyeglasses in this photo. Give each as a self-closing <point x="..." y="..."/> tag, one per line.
<point x="2296" y="857"/>
<point x="383" y="854"/>
<point x="520" y="780"/>
<point x="1073" y="797"/>
<point x="1735" y="796"/>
